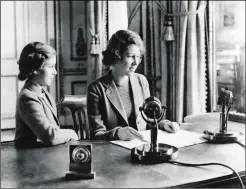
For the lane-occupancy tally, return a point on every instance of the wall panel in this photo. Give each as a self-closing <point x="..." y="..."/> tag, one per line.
<point x="21" y="23"/>
<point x="9" y="89"/>
<point x="74" y="51"/>
<point x="8" y="32"/>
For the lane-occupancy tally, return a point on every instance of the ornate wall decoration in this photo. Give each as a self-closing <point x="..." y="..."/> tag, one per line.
<point x="78" y="30"/>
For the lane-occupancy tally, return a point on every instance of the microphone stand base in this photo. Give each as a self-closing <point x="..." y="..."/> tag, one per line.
<point x="144" y="154"/>
<point x="218" y="137"/>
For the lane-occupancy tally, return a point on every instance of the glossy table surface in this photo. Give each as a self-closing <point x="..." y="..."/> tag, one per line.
<point x="46" y="167"/>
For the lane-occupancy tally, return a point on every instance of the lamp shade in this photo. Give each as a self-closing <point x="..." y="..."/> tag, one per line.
<point x="168" y="34"/>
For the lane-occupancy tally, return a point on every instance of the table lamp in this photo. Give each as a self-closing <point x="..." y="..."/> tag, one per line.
<point x="150" y="153"/>
<point x="225" y="99"/>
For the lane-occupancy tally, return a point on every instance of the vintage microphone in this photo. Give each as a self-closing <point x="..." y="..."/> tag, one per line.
<point x="223" y="135"/>
<point x="153" y="112"/>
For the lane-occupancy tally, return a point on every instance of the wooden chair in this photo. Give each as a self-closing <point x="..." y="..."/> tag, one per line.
<point x="77" y="106"/>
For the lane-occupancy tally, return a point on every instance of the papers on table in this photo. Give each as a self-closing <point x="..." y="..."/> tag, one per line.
<point x="181" y="139"/>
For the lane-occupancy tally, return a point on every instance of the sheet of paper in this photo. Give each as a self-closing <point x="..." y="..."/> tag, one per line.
<point x="181" y="139"/>
<point x="128" y="144"/>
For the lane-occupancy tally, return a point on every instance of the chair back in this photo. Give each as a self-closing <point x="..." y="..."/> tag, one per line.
<point x="77" y="106"/>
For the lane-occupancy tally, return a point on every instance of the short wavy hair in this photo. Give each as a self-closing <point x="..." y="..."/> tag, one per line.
<point x="119" y="42"/>
<point x="32" y="58"/>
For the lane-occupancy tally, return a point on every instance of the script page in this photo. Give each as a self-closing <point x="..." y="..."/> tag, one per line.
<point x="180" y="139"/>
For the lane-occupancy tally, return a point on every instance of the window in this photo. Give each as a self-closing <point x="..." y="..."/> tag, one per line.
<point x="230" y="49"/>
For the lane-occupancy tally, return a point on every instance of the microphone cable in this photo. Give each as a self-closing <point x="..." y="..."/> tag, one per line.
<point x="205" y="164"/>
<point x="241" y="144"/>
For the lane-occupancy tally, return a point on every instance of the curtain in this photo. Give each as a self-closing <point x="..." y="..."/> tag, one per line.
<point x="106" y="17"/>
<point x="145" y="18"/>
<point x="151" y="19"/>
<point x="188" y="84"/>
<point x="97" y="26"/>
<point x="211" y="71"/>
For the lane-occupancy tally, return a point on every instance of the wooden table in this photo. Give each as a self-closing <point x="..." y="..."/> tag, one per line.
<point x="46" y="167"/>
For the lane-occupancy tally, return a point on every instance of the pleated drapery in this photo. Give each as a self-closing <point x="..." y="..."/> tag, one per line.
<point x="150" y="28"/>
<point x="188" y="88"/>
<point x="106" y="17"/>
<point x="97" y="20"/>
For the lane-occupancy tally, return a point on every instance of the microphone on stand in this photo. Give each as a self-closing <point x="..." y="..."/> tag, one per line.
<point x="226" y="100"/>
<point x="153" y="112"/>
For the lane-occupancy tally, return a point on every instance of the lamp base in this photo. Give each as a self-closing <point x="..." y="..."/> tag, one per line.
<point x="218" y="137"/>
<point x="144" y="154"/>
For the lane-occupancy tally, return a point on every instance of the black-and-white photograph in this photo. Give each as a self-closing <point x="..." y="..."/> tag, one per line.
<point x="123" y="94"/>
<point x="78" y="30"/>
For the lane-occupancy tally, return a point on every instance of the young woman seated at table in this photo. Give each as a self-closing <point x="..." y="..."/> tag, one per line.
<point x="36" y="113"/>
<point x="113" y="100"/>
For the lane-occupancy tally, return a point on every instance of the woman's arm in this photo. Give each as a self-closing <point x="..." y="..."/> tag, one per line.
<point x="98" y="129"/>
<point x="170" y="126"/>
<point x="32" y="113"/>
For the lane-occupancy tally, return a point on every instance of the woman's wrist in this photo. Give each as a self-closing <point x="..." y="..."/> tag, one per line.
<point x="162" y="124"/>
<point x="116" y="136"/>
<point x="165" y="122"/>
